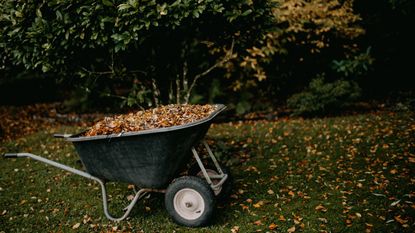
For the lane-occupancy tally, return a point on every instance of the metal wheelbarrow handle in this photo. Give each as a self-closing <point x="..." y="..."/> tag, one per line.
<point x="62" y="135"/>
<point x="128" y="209"/>
<point x="10" y="155"/>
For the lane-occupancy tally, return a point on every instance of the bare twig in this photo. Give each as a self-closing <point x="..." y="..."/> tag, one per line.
<point x="171" y="94"/>
<point x="96" y="72"/>
<point x="177" y="89"/>
<point x="185" y="81"/>
<point x="111" y="71"/>
<point x="225" y="59"/>
<point x="156" y="92"/>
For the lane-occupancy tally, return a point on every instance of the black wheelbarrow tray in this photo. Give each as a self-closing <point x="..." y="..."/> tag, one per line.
<point x="153" y="160"/>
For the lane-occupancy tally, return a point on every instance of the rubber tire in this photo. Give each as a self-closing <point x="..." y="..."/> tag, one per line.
<point x="196" y="184"/>
<point x="226" y="191"/>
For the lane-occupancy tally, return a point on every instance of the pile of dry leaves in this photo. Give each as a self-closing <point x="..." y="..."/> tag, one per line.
<point x="164" y="116"/>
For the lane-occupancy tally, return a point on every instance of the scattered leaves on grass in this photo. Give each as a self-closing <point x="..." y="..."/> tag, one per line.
<point x="18" y="121"/>
<point x="339" y="165"/>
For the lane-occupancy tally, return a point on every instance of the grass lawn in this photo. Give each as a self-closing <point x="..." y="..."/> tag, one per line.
<point x="342" y="174"/>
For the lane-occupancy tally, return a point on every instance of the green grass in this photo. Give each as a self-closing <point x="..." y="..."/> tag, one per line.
<point x="342" y="174"/>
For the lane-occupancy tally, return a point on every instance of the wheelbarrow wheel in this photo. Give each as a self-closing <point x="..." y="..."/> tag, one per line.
<point x="190" y="201"/>
<point x="222" y="194"/>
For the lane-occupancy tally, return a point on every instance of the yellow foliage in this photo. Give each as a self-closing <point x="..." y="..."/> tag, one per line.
<point x="314" y="24"/>
<point x="316" y="18"/>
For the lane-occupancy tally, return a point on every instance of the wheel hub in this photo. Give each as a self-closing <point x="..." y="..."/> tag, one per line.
<point x="189" y="204"/>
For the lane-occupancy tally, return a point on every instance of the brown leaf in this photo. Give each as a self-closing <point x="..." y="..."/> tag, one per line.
<point x="164" y="116"/>
<point x="321" y="208"/>
<point x="235" y="229"/>
<point x="323" y="220"/>
<point x="393" y="171"/>
<point x="400" y="220"/>
<point x="259" y="204"/>
<point x="76" y="226"/>
<point x="130" y="197"/>
<point x="291" y="229"/>
<point x="258" y="223"/>
<point x="272" y="226"/>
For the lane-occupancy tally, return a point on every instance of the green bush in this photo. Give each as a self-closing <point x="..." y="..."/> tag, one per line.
<point x="356" y="66"/>
<point x="321" y="97"/>
<point x="161" y="46"/>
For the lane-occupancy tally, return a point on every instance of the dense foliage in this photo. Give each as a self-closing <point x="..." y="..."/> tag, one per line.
<point x="321" y="97"/>
<point x="310" y="33"/>
<point x="248" y="54"/>
<point x="154" y="49"/>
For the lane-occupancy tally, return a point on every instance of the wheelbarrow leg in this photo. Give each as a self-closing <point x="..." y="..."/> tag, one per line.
<point x="222" y="176"/>
<point x="128" y="209"/>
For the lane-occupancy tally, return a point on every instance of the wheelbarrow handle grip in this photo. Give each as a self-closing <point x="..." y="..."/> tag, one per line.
<point x="10" y="155"/>
<point x="61" y="135"/>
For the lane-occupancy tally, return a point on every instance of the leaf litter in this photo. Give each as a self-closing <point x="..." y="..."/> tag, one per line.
<point x="322" y="179"/>
<point x="160" y="117"/>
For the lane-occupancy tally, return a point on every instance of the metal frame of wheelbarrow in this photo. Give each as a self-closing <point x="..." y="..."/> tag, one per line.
<point x="141" y="192"/>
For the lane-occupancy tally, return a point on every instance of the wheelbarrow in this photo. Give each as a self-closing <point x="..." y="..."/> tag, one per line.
<point x="153" y="160"/>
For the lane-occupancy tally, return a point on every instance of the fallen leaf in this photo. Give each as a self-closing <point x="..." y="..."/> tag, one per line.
<point x="291" y="229"/>
<point x="258" y="204"/>
<point x="324" y="220"/>
<point x="258" y="223"/>
<point x="321" y="208"/>
<point x="400" y="220"/>
<point x="235" y="229"/>
<point x="76" y="226"/>
<point x="395" y="203"/>
<point x="272" y="226"/>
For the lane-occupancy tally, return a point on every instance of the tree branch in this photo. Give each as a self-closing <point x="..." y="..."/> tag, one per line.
<point x="111" y="72"/>
<point x="225" y="59"/>
<point x="156" y="92"/>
